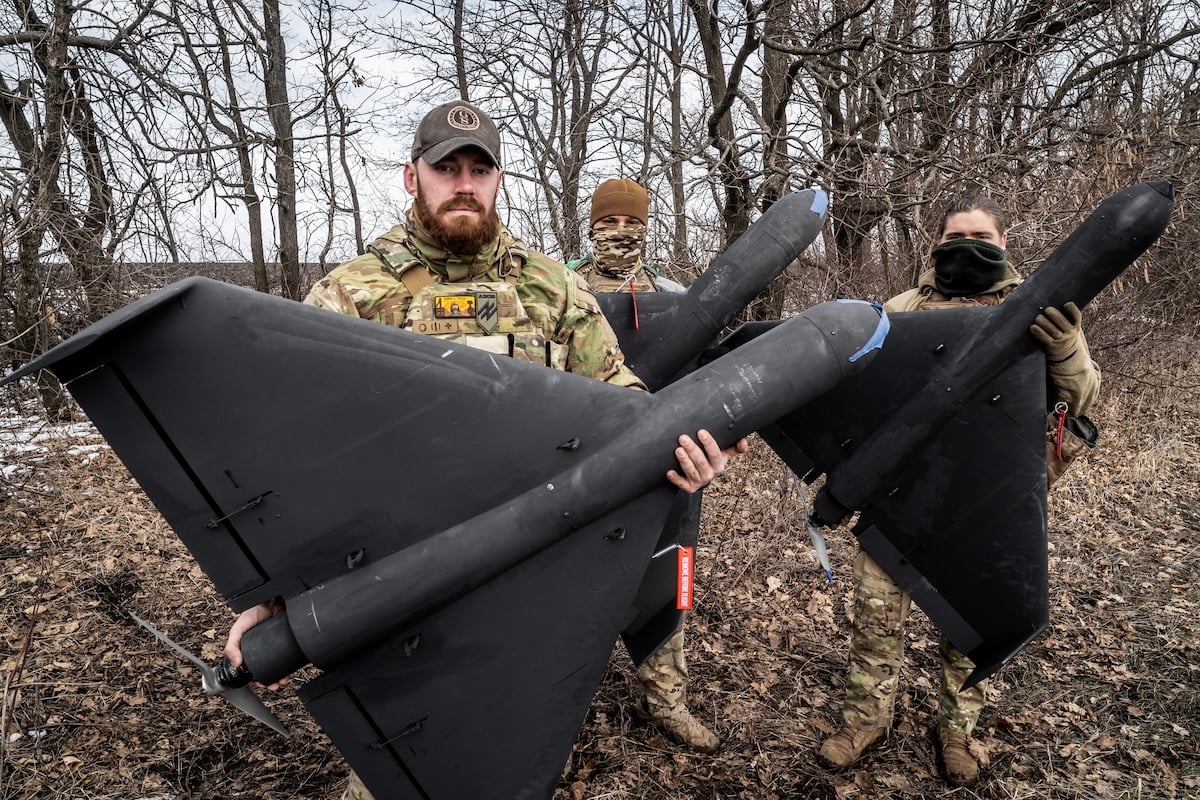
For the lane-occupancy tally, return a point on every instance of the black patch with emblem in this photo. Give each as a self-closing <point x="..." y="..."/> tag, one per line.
<point x="487" y="311"/>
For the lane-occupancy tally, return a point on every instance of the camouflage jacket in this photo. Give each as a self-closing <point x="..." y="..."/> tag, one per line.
<point x="1075" y="381"/>
<point x="646" y="278"/>
<point x="557" y="302"/>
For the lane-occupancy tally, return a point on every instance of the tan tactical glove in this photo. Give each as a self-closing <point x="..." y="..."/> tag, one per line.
<point x="1058" y="331"/>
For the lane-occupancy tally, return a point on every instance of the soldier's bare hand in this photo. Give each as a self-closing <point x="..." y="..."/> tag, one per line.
<point x="701" y="460"/>
<point x="246" y="620"/>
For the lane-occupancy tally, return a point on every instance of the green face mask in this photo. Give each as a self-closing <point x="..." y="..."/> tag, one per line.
<point x="617" y="252"/>
<point x="963" y="267"/>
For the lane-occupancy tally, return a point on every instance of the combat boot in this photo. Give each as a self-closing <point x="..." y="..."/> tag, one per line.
<point x="848" y="745"/>
<point x="960" y="767"/>
<point x="679" y="722"/>
<point x="663" y="677"/>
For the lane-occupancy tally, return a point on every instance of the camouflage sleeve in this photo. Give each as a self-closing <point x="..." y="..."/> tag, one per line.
<point x="1075" y="380"/>
<point x="329" y="293"/>
<point x="364" y="287"/>
<point x="593" y="348"/>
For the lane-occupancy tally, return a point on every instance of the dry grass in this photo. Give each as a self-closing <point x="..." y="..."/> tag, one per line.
<point x="1105" y="704"/>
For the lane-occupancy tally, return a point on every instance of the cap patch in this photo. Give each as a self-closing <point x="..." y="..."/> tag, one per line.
<point x="462" y="118"/>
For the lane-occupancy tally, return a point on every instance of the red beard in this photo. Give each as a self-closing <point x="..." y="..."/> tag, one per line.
<point x="462" y="236"/>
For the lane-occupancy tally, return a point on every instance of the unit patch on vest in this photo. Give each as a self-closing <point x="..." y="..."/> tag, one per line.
<point x="487" y="311"/>
<point x="454" y="306"/>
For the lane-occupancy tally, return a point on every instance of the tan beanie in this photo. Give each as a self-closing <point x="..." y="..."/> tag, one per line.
<point x="620" y="196"/>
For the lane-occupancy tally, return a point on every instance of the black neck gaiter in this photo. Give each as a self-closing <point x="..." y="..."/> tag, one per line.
<point x="964" y="267"/>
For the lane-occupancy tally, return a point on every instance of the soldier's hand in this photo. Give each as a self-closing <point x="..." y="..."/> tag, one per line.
<point x="255" y="615"/>
<point x="1058" y="331"/>
<point x="701" y="460"/>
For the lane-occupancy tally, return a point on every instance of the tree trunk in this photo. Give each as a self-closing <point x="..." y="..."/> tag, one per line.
<point x="280" y="112"/>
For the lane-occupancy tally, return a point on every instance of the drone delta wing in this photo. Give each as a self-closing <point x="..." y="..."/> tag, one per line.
<point x="961" y="523"/>
<point x="457" y="538"/>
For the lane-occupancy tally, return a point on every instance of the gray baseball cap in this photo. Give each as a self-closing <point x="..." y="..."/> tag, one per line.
<point x="453" y="126"/>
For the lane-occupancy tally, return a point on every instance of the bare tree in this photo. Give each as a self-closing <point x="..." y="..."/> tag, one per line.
<point x="335" y="175"/>
<point x="58" y="187"/>
<point x="658" y="140"/>
<point x="546" y="72"/>
<point x="666" y="49"/>
<point x="60" y="144"/>
<point x="219" y="134"/>
<point x="231" y="96"/>
<point x="279" y="111"/>
<point x="731" y="173"/>
<point x="921" y="100"/>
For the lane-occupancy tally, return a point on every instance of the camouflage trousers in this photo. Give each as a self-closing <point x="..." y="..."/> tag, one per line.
<point x="355" y="789"/>
<point x="663" y="675"/>
<point x="877" y="652"/>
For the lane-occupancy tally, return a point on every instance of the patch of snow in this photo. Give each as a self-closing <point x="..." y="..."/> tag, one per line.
<point x="26" y="437"/>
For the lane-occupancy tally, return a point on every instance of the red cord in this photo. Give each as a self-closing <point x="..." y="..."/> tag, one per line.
<point x="1061" y="410"/>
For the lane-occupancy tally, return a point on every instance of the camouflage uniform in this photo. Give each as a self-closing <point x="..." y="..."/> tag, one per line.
<point x="621" y="269"/>
<point x="663" y="676"/>
<point x="552" y="320"/>
<point x="546" y="314"/>
<point x="877" y="650"/>
<point x="881" y="607"/>
<point x="642" y="279"/>
<point x="355" y="790"/>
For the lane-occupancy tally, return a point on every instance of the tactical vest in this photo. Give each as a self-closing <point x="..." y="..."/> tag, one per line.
<point x="486" y="315"/>
<point x="645" y="279"/>
<point x="642" y="282"/>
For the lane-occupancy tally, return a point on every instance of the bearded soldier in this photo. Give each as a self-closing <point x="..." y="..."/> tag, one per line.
<point x="451" y="270"/>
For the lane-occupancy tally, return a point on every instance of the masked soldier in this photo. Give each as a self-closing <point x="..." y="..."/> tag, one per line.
<point x="620" y="211"/>
<point x="969" y="269"/>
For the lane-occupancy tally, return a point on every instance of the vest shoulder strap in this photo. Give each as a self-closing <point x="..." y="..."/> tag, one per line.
<point x="405" y="267"/>
<point x="415" y="277"/>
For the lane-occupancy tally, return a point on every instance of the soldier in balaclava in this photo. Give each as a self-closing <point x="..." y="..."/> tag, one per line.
<point x="617" y="230"/>
<point x="619" y="214"/>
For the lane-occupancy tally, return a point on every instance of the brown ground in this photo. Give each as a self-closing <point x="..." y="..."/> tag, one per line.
<point x="1105" y="704"/>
